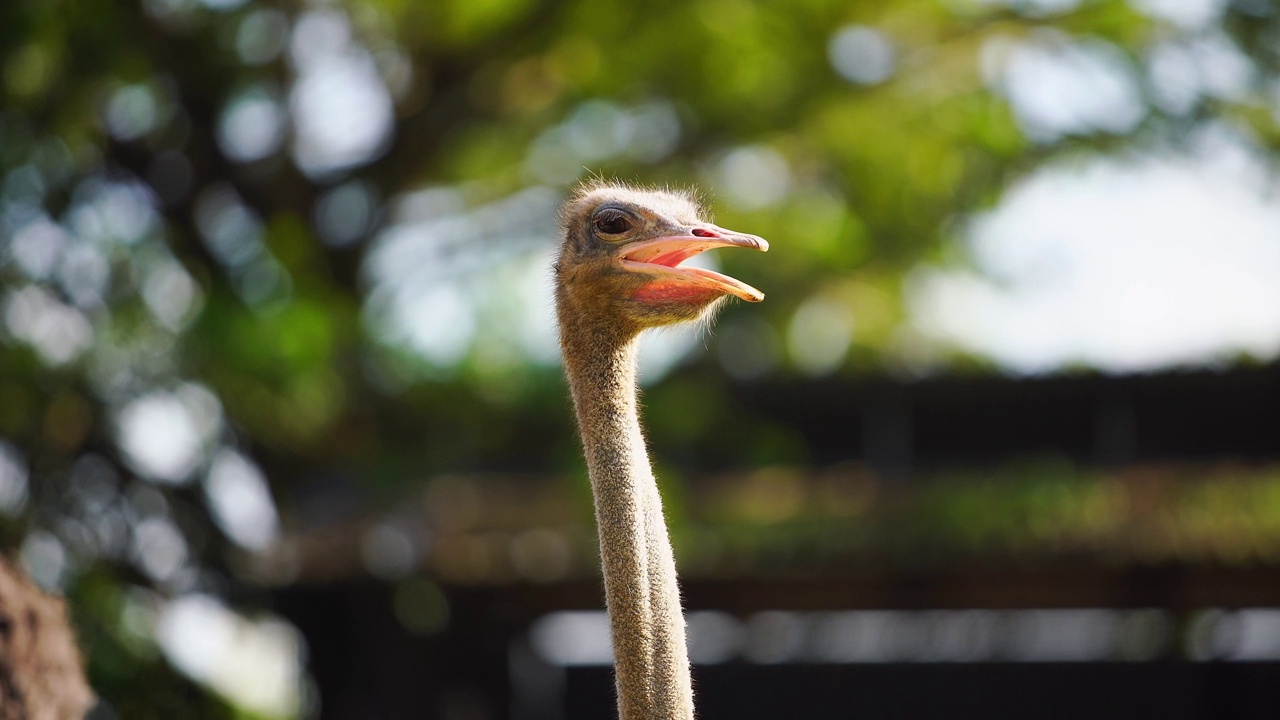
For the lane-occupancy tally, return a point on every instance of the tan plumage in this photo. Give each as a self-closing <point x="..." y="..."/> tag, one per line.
<point x="616" y="275"/>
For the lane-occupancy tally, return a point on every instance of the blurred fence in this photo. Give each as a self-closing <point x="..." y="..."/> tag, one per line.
<point x="913" y="569"/>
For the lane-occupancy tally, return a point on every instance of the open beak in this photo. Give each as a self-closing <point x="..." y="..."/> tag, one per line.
<point x="662" y="256"/>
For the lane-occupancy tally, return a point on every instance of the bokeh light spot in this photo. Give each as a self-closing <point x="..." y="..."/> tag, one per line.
<point x="421" y="606"/>
<point x="862" y="55"/>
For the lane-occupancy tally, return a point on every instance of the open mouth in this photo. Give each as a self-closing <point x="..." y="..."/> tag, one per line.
<point x="662" y="257"/>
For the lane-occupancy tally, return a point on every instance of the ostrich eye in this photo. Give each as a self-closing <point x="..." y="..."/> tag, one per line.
<point x="611" y="222"/>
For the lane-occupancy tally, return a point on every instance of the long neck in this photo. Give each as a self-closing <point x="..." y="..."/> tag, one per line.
<point x="651" y="660"/>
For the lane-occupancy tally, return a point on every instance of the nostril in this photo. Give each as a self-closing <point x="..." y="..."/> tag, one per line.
<point x="703" y="232"/>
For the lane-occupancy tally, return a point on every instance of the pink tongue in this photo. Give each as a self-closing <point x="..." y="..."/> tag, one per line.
<point x="672" y="259"/>
<point x="669" y="252"/>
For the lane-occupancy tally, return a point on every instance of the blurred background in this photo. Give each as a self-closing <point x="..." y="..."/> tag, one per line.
<point x="281" y="410"/>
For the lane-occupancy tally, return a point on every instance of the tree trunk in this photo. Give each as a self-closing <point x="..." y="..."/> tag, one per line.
<point x="41" y="673"/>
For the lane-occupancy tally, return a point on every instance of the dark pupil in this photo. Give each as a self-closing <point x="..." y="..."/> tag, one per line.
<point x="612" y="224"/>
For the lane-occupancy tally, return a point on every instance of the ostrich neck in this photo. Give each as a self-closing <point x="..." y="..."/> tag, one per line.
<point x="651" y="661"/>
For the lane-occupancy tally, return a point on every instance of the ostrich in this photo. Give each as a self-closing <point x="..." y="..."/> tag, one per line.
<point x="619" y="273"/>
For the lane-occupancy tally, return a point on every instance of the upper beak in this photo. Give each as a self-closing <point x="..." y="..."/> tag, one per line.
<point x="669" y="251"/>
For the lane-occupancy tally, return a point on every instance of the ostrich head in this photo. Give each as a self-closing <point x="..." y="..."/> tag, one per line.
<point x="620" y="262"/>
